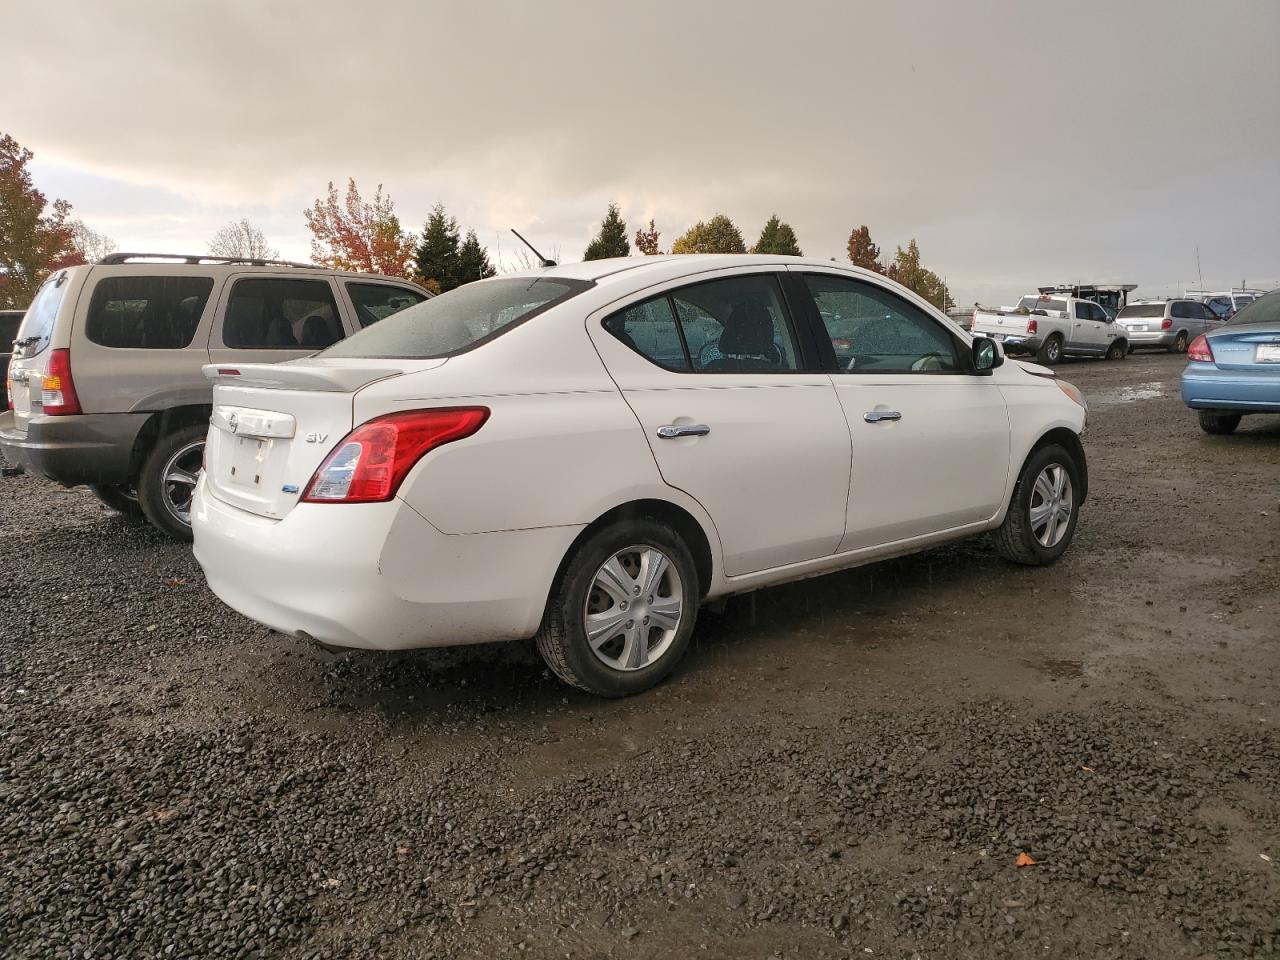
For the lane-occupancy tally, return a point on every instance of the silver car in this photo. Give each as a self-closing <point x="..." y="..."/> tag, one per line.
<point x="1168" y="324"/>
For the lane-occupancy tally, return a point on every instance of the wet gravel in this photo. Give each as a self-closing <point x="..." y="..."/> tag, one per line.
<point x="847" y="767"/>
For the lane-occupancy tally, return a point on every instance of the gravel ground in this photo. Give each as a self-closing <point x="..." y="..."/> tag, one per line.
<point x="847" y="767"/>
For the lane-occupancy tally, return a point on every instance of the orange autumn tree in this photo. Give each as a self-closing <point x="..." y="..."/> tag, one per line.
<point x="356" y="234"/>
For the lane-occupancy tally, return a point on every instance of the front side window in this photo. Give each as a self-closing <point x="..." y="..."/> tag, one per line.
<point x="147" y="313"/>
<point x="277" y="313"/>
<point x="1097" y="313"/>
<point x="377" y="301"/>
<point x="459" y="320"/>
<point x="875" y="331"/>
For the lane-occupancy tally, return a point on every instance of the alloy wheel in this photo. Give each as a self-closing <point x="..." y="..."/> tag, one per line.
<point x="1051" y="505"/>
<point x="634" y="608"/>
<point x="179" y="480"/>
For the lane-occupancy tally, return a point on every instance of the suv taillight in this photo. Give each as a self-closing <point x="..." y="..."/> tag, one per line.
<point x="372" y="461"/>
<point x="1166" y="323"/>
<point x="57" y="389"/>
<point x="1199" y="351"/>
<point x="1031" y="326"/>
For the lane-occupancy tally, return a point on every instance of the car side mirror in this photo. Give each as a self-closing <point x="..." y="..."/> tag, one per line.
<point x="986" y="354"/>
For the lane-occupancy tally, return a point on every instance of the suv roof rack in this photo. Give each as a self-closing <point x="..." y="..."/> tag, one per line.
<point x="196" y="258"/>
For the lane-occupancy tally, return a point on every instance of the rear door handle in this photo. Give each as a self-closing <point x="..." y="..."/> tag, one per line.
<point x="672" y="431"/>
<point x="876" y="416"/>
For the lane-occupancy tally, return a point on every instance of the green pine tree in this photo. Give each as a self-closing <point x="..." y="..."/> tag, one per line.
<point x="473" y="261"/>
<point x="611" y="241"/>
<point x="717" y="235"/>
<point x="777" y="238"/>
<point x="437" y="253"/>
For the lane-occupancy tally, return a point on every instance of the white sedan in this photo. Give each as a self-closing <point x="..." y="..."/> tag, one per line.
<point x="587" y="453"/>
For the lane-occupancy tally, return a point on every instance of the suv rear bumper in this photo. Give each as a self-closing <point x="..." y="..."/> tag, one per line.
<point x="88" y="448"/>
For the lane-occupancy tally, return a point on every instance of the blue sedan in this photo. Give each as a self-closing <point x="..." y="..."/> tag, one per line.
<point x="1235" y="369"/>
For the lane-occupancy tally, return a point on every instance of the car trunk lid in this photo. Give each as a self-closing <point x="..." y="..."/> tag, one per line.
<point x="1242" y="348"/>
<point x="273" y="424"/>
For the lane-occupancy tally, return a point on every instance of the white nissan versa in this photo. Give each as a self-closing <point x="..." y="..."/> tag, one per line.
<point x="586" y="453"/>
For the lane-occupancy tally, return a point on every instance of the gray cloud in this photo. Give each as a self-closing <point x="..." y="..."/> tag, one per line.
<point x="1020" y="142"/>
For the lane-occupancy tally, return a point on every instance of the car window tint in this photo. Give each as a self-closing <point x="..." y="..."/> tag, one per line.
<point x="736" y="325"/>
<point x="1082" y="310"/>
<point x="649" y="328"/>
<point x="281" y="314"/>
<point x="875" y="331"/>
<point x="149" y="313"/>
<point x="377" y="301"/>
<point x="1097" y="313"/>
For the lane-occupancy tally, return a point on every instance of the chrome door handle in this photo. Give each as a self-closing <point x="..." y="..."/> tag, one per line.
<point x="876" y="416"/>
<point x="672" y="431"/>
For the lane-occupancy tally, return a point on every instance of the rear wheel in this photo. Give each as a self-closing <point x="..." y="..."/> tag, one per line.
<point x="1179" y="344"/>
<point x="1219" y="424"/>
<point x="122" y="499"/>
<point x="1118" y="350"/>
<point x="167" y="481"/>
<point x="1050" y="351"/>
<point x="622" y="611"/>
<point x="1041" y="521"/>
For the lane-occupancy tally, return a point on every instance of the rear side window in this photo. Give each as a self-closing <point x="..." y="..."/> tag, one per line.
<point x="149" y="313"/>
<point x="650" y="329"/>
<point x="459" y="320"/>
<point x="377" y="301"/>
<point x="271" y="313"/>
<point x="1179" y="310"/>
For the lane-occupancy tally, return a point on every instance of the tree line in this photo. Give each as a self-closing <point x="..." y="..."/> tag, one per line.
<point x="349" y="232"/>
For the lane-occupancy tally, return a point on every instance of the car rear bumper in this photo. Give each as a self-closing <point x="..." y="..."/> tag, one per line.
<point x="86" y="448"/>
<point x="1013" y="344"/>
<point x="375" y="576"/>
<point x="1206" y="387"/>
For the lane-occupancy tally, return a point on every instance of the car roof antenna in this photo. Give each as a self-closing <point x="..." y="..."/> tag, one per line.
<point x="541" y="259"/>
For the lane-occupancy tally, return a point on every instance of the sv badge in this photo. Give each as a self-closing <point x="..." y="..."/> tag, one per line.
<point x="314" y="437"/>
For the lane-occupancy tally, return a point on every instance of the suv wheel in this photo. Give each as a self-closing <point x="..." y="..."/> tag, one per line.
<point x="122" y="499"/>
<point x="622" y="611"/>
<point x="1179" y="343"/>
<point x="167" y="481"/>
<point x="1043" y="511"/>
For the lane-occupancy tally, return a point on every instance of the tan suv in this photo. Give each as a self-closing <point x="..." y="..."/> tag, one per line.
<point x="105" y="386"/>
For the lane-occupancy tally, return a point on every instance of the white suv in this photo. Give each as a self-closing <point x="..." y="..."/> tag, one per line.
<point x="588" y="452"/>
<point x="105" y="386"/>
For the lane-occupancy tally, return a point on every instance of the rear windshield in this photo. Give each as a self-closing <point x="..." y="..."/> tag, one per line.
<point x="37" y="325"/>
<point x="1142" y="310"/>
<point x="458" y="320"/>
<point x="1263" y="310"/>
<point x="1048" y="304"/>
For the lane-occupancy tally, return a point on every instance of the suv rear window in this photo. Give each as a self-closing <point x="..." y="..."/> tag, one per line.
<point x="1142" y="310"/>
<point x="459" y="320"/>
<point x="147" y="313"/>
<point x="37" y="326"/>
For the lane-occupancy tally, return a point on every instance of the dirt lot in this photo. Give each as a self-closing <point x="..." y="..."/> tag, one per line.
<point x="847" y="767"/>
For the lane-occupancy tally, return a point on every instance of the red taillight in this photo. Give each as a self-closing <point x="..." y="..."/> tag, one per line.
<point x="58" y="390"/>
<point x="1031" y="325"/>
<point x="1199" y="351"/>
<point x="1166" y="323"/>
<point x="372" y="461"/>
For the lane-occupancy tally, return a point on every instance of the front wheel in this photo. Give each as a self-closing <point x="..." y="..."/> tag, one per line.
<point x="622" y="611"/>
<point x="167" y="481"/>
<point x="1041" y="521"/>
<point x="122" y="499"/>
<point x="1118" y="350"/>
<point x="1218" y="424"/>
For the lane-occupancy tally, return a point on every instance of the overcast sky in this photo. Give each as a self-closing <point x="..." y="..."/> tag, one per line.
<point x="1022" y="142"/>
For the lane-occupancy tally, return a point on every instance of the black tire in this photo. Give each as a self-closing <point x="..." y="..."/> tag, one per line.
<point x="562" y="639"/>
<point x="1118" y="350"/>
<point x="154" y="490"/>
<point x="1218" y="424"/>
<point x="1050" y="351"/>
<point x="1015" y="539"/>
<point x="122" y="499"/>
<point x="1179" y="344"/>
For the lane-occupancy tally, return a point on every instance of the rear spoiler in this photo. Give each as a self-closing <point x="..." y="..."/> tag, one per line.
<point x="287" y="376"/>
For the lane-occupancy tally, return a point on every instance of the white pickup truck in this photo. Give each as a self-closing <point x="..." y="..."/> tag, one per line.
<point x="1051" y="326"/>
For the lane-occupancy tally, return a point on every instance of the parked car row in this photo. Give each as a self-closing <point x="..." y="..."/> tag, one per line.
<point x="105" y="387"/>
